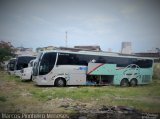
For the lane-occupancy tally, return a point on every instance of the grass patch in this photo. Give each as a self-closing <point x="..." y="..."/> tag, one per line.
<point x="17" y="96"/>
<point x="145" y="98"/>
<point x="156" y="70"/>
<point x="3" y="99"/>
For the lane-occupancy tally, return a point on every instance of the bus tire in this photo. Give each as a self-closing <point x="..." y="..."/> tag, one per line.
<point x="133" y="82"/>
<point x="124" y="82"/>
<point x="60" y="82"/>
<point x="31" y="79"/>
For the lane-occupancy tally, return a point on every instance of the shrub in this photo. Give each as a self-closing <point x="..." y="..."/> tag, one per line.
<point x="156" y="71"/>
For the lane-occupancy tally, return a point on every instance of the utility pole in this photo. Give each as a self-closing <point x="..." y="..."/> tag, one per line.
<point x="66" y="40"/>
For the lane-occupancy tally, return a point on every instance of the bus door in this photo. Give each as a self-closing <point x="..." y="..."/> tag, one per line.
<point x="77" y="75"/>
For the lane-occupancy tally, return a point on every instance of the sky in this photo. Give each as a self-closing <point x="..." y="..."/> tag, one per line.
<point x="41" y="23"/>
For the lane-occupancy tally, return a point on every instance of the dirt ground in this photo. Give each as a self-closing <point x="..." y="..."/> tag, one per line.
<point x="77" y="102"/>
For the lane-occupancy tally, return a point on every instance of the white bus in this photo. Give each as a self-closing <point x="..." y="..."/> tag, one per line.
<point x="61" y="68"/>
<point x="22" y="62"/>
<point x="11" y="65"/>
<point x="26" y="73"/>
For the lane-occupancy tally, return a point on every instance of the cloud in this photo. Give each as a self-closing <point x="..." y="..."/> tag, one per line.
<point x="95" y="24"/>
<point x="95" y="18"/>
<point x="40" y="20"/>
<point x="132" y="10"/>
<point x="129" y="9"/>
<point x="104" y="19"/>
<point x="31" y="19"/>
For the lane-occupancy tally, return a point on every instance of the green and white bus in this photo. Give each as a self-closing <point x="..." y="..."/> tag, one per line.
<point x="61" y="68"/>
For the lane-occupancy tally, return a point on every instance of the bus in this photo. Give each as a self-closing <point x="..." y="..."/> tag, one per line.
<point x="61" y="68"/>
<point x="11" y="65"/>
<point x="26" y="73"/>
<point x="20" y="63"/>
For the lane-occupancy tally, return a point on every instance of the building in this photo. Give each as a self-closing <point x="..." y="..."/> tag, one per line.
<point x="24" y="51"/>
<point x="155" y="54"/>
<point x="76" y="48"/>
<point x="91" y="48"/>
<point x="126" y="48"/>
<point x="45" y="48"/>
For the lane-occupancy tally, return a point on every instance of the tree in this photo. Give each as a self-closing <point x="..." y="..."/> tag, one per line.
<point x="6" y="51"/>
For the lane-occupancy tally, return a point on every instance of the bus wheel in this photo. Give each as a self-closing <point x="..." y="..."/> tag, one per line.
<point x="31" y="79"/>
<point x="60" y="82"/>
<point x="124" y="82"/>
<point x="133" y="82"/>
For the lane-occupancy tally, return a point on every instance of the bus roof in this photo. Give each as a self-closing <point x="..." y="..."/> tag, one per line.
<point x="101" y="53"/>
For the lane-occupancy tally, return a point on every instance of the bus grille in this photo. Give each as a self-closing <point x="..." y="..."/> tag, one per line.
<point x="146" y="78"/>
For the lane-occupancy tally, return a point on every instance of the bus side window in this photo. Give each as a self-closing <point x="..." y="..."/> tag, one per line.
<point x="63" y="59"/>
<point x="101" y="60"/>
<point x="143" y="63"/>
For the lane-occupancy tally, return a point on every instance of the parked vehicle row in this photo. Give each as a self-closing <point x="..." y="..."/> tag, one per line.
<point x="61" y="68"/>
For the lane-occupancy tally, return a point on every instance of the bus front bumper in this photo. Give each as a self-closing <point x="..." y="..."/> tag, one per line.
<point x="41" y="81"/>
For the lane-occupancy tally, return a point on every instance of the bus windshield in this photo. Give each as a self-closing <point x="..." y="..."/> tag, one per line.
<point x="11" y="64"/>
<point x="47" y="63"/>
<point x="36" y="64"/>
<point x="22" y="62"/>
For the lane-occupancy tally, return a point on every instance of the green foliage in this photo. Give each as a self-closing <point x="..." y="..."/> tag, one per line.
<point x="27" y="97"/>
<point x="156" y="71"/>
<point x="6" y="51"/>
<point x="4" y="54"/>
<point x="2" y="99"/>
